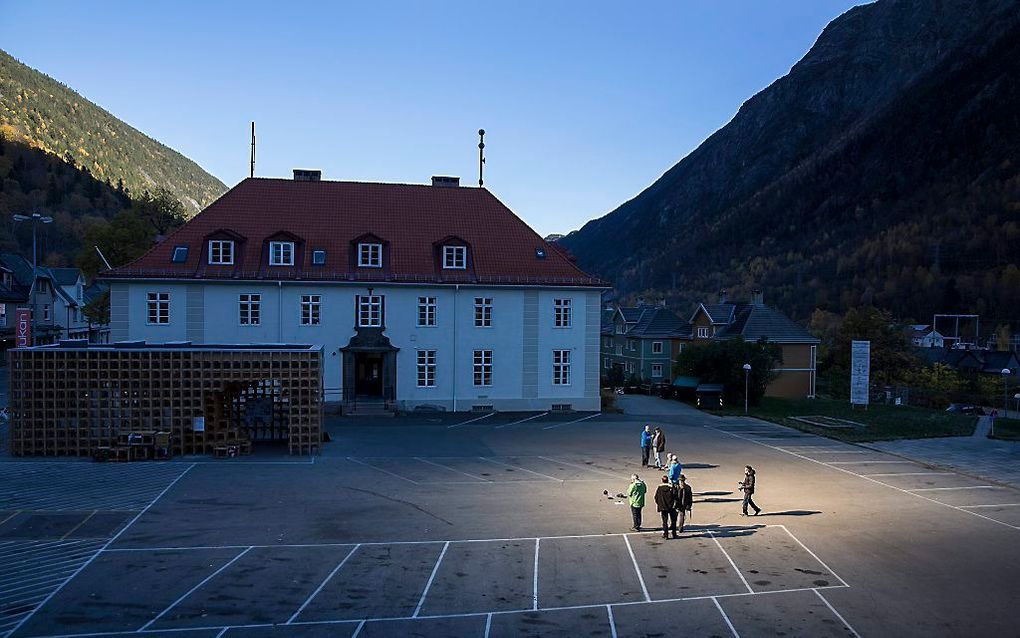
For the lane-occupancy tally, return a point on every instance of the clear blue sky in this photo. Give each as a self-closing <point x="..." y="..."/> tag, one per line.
<point x="585" y="103"/>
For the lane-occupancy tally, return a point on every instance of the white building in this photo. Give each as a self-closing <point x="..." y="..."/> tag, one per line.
<point x="422" y="295"/>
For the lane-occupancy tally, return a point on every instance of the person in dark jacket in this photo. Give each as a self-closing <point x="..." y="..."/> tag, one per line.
<point x="684" y="502"/>
<point x="747" y="486"/>
<point x="658" y="447"/>
<point x="665" y="503"/>
<point x="646" y="445"/>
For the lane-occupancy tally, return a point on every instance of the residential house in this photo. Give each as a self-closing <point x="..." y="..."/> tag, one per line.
<point x="796" y="376"/>
<point x="925" y="336"/>
<point x="641" y="342"/>
<point x="973" y="360"/>
<point x="423" y="296"/>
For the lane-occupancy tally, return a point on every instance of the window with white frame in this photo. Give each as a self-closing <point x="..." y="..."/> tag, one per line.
<point x="482" y="369"/>
<point x="159" y="307"/>
<point x="426" y="311"/>
<point x="3" y="314"/>
<point x="630" y="367"/>
<point x="483" y="312"/>
<point x="656" y="347"/>
<point x="656" y="370"/>
<point x="249" y="309"/>
<point x="561" y="313"/>
<point x="606" y="363"/>
<point x="46" y="312"/>
<point x="426" y="368"/>
<point x="370" y="255"/>
<point x="311" y="310"/>
<point x="702" y="332"/>
<point x="370" y="311"/>
<point x="281" y="253"/>
<point x="455" y="257"/>
<point x="632" y="344"/>
<point x="561" y="367"/>
<point x="221" y="252"/>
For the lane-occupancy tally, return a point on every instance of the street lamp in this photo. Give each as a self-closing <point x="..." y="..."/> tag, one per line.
<point x="1005" y="389"/>
<point x="36" y="219"/>
<point x="747" y="383"/>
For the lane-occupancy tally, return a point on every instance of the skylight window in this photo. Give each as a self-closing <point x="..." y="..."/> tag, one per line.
<point x="180" y="255"/>
<point x="318" y="257"/>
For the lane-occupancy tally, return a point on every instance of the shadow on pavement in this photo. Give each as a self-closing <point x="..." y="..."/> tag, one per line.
<point x="791" y="513"/>
<point x="721" y="531"/>
<point x="716" y="499"/>
<point x="712" y="493"/>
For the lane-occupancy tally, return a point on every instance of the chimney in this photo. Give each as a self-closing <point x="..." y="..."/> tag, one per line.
<point x="722" y="296"/>
<point x="757" y="298"/>
<point x="306" y="175"/>
<point x="445" y="181"/>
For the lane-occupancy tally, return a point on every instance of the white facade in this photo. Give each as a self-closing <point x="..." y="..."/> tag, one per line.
<point x="523" y="337"/>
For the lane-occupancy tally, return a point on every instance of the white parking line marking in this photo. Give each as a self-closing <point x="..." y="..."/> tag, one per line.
<point x="357" y="630"/>
<point x="558" y="425"/>
<point x="813" y="555"/>
<point x="534" y="594"/>
<point x="911" y="474"/>
<point x="530" y="418"/>
<point x="432" y="577"/>
<point x="612" y="621"/>
<point x="998" y="505"/>
<point x="866" y="478"/>
<point x="469" y="421"/>
<point x="195" y="588"/>
<point x="488" y="625"/>
<point x="322" y="584"/>
<point x="354" y="460"/>
<point x="838" y="615"/>
<point x="99" y="551"/>
<point x="523" y="469"/>
<point x="418" y="458"/>
<point x="969" y="487"/>
<point x="637" y="569"/>
<point x="734" y="565"/>
<point x="860" y="462"/>
<point x="729" y="624"/>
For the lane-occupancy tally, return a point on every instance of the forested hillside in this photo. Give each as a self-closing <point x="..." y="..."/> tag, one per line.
<point x="48" y="115"/>
<point x="884" y="169"/>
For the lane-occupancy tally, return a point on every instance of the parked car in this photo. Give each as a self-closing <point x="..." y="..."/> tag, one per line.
<point x="965" y="408"/>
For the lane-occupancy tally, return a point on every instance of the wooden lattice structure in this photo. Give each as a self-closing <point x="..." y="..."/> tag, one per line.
<point x="68" y="399"/>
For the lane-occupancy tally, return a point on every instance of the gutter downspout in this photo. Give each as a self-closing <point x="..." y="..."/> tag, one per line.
<point x="279" y="312"/>
<point x="456" y="289"/>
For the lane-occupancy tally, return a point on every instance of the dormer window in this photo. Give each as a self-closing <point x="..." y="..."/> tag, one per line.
<point x="455" y="257"/>
<point x="221" y="252"/>
<point x="180" y="255"/>
<point x="370" y="255"/>
<point x="281" y="253"/>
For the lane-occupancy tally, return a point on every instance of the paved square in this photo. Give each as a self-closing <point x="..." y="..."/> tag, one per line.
<point x="476" y="525"/>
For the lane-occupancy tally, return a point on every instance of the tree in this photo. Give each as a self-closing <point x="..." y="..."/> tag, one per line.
<point x="97" y="311"/>
<point x="1003" y="335"/>
<point x="891" y="356"/>
<point x="940" y="383"/>
<point x="723" y="362"/>
<point x="162" y="210"/>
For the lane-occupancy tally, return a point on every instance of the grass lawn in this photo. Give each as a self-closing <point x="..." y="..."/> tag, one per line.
<point x="884" y="422"/>
<point x="1007" y="429"/>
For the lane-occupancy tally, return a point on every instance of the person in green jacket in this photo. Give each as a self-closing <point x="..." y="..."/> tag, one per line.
<point x="636" y="496"/>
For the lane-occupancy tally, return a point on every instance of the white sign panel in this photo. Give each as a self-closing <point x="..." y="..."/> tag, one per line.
<point x="198" y="424"/>
<point x="860" y="371"/>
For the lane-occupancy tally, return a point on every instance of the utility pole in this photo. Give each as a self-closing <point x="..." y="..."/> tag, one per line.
<point x="36" y="219"/>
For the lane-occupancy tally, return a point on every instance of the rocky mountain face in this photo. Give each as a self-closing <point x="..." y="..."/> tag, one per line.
<point x="865" y="175"/>
<point x="45" y="114"/>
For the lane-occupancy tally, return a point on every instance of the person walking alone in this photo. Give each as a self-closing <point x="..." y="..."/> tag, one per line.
<point x="674" y="469"/>
<point x="747" y="485"/>
<point x="658" y="447"/>
<point x="636" y="496"/>
<point x="646" y="445"/>
<point x="665" y="503"/>
<point x="684" y="502"/>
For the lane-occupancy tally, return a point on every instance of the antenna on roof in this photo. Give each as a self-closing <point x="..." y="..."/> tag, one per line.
<point x="481" y="155"/>
<point x="252" y="174"/>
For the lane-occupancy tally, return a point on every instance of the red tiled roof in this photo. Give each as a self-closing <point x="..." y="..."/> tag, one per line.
<point x="328" y="215"/>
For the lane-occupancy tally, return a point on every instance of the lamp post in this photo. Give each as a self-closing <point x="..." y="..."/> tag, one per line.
<point x="1005" y="390"/>
<point x="747" y="383"/>
<point x="36" y="219"/>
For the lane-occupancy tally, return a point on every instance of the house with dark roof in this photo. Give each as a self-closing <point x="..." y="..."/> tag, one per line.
<point x="641" y="341"/>
<point x="424" y="296"/>
<point x="754" y="321"/>
<point x="972" y="360"/>
<point x="55" y="295"/>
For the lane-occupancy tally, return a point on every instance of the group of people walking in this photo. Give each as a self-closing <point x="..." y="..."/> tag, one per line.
<point x="674" y="497"/>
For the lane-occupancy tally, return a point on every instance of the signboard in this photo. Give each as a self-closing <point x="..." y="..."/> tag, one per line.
<point x="860" y="372"/>
<point x="198" y="424"/>
<point x="22" y="327"/>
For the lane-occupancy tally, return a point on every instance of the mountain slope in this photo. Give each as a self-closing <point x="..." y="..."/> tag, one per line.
<point x="826" y="186"/>
<point x="52" y="117"/>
